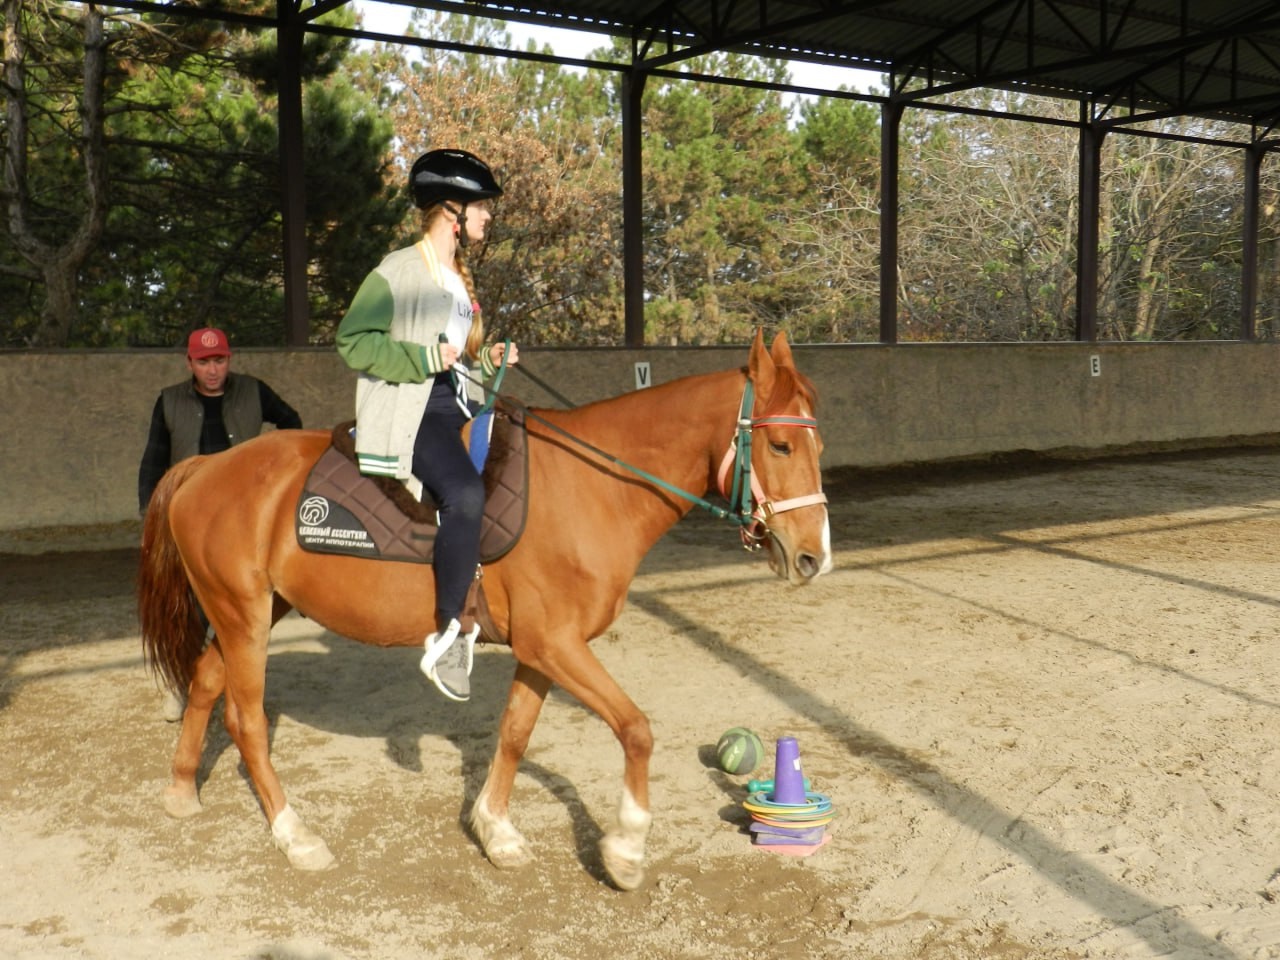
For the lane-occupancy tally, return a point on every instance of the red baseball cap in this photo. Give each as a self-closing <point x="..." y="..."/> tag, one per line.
<point x="207" y="342"/>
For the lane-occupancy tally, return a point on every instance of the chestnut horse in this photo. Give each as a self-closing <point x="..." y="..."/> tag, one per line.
<point x="606" y="480"/>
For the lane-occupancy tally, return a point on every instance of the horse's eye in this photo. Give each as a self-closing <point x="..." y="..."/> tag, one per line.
<point x="780" y="449"/>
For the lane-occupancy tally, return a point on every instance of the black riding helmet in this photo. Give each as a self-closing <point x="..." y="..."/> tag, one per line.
<point x="442" y="175"/>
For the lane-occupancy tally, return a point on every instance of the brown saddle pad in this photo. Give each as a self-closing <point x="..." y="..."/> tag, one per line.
<point x="342" y="511"/>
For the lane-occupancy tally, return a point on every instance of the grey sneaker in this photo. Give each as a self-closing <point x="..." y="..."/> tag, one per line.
<point x="174" y="706"/>
<point x="451" y="674"/>
<point x="447" y="661"/>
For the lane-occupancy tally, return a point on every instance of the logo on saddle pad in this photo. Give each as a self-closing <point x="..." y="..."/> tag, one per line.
<point x="342" y="511"/>
<point x="328" y="527"/>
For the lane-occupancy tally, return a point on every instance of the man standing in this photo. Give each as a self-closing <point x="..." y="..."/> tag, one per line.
<point x="213" y="410"/>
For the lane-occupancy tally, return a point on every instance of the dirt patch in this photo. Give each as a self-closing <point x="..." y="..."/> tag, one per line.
<point x="1042" y="697"/>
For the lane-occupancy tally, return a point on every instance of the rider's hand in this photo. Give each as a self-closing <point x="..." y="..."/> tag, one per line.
<point x="448" y="355"/>
<point x="496" y="351"/>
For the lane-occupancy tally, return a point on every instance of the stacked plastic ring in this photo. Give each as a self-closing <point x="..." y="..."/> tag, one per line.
<point x="783" y="812"/>
<point x="789" y="823"/>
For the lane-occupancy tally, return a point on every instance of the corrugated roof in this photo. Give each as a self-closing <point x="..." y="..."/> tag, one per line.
<point x="1177" y="57"/>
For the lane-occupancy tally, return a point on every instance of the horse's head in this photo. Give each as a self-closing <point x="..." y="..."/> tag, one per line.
<point x="791" y="511"/>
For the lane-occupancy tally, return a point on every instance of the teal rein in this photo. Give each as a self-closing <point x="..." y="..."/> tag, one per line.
<point x="741" y="493"/>
<point x="492" y="392"/>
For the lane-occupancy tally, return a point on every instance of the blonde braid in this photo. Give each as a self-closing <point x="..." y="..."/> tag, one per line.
<point x="475" y="336"/>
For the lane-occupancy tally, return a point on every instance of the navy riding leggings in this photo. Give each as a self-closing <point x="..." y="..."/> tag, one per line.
<point x="441" y="462"/>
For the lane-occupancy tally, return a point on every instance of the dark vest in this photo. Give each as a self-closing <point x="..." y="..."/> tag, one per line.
<point x="184" y="414"/>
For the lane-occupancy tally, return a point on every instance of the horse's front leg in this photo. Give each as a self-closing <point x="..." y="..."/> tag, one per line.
<point x="181" y="798"/>
<point x="576" y="669"/>
<point x="490" y="819"/>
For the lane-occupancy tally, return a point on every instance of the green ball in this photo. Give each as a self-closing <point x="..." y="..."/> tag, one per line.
<point x="739" y="751"/>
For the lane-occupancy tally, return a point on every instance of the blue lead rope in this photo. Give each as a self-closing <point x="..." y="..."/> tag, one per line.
<point x="482" y="422"/>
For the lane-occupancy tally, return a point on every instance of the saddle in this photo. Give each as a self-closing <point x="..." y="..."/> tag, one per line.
<point x="343" y="511"/>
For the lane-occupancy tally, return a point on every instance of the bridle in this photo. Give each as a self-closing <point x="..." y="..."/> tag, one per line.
<point x="751" y="507"/>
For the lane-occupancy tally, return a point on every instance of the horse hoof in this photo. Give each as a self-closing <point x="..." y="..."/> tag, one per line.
<point x="181" y="802"/>
<point x="510" y="856"/>
<point x="625" y="868"/>
<point x="504" y="845"/>
<point x="305" y="849"/>
<point x="313" y="856"/>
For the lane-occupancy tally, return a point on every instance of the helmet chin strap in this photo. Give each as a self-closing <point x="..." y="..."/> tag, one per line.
<point x="460" y="216"/>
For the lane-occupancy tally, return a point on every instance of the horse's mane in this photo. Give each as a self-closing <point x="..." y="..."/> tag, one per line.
<point x="788" y="383"/>
<point x="670" y="390"/>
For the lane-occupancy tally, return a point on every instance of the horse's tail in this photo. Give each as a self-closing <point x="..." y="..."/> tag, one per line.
<point x="173" y="631"/>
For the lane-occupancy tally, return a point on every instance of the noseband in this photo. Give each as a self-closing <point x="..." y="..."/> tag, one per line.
<point x="752" y="508"/>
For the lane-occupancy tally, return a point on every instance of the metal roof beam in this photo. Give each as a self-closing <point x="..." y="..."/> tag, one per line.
<point x="1268" y="111"/>
<point x="718" y="36"/>
<point x="1159" y="53"/>
<point x="1184" y="49"/>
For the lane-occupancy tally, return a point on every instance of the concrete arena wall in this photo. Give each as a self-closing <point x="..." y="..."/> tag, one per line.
<point x="74" y="422"/>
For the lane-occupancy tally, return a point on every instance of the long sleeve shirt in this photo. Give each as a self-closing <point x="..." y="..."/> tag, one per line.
<point x="185" y="422"/>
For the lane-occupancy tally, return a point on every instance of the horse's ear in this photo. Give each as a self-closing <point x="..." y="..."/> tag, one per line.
<point x="781" y="350"/>
<point x="761" y="368"/>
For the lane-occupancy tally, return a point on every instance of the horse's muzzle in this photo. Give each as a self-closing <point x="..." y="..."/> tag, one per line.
<point x="798" y="565"/>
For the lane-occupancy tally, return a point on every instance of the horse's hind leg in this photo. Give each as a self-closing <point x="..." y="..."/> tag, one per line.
<point x="243" y="638"/>
<point x="181" y="798"/>
<point x="208" y="682"/>
<point x="490" y="820"/>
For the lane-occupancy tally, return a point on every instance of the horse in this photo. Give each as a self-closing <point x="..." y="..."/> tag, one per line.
<point x="605" y="481"/>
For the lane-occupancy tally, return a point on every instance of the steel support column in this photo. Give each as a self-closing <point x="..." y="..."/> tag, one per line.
<point x="1091" y="136"/>
<point x="633" y="82"/>
<point x="1253" y="156"/>
<point x="890" y="121"/>
<point x="289" y="36"/>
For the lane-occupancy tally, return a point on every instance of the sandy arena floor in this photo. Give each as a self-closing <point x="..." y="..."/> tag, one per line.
<point x="1044" y="699"/>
